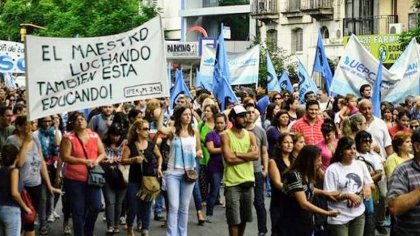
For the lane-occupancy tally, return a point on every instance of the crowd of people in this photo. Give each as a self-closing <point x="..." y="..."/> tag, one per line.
<point x="329" y="166"/>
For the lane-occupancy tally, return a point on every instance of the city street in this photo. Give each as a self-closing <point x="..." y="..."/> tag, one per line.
<point x="217" y="228"/>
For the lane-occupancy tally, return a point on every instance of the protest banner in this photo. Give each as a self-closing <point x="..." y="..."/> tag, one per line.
<point x="357" y="67"/>
<point x="407" y="68"/>
<point x="67" y="74"/>
<point x="243" y="66"/>
<point x="12" y="58"/>
<point x="387" y="44"/>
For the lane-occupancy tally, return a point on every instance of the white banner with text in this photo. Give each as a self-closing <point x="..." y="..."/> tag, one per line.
<point x="67" y="74"/>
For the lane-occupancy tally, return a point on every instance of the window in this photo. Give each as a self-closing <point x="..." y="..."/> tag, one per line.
<point x="325" y="33"/>
<point x="272" y="37"/>
<point x="413" y="20"/>
<point x="294" y="5"/>
<point x="297" y="40"/>
<point x="359" y="17"/>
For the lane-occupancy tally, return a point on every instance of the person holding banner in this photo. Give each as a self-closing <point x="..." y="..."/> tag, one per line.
<point x="81" y="149"/>
<point x="185" y="147"/>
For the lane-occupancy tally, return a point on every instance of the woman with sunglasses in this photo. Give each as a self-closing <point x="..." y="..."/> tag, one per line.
<point x="143" y="156"/>
<point x="373" y="163"/>
<point x="352" y="179"/>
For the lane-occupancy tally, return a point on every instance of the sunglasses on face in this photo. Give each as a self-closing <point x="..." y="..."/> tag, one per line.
<point x="145" y="129"/>
<point x="414" y="126"/>
<point x="277" y="98"/>
<point x="366" y="140"/>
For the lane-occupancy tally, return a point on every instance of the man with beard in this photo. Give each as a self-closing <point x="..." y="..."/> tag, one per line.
<point x="239" y="148"/>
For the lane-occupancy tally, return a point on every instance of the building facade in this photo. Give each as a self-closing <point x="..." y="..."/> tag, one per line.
<point x="294" y="24"/>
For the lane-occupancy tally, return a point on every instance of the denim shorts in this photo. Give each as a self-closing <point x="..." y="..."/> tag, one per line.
<point x="239" y="204"/>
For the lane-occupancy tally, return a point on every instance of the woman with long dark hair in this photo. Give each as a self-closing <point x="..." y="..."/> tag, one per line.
<point x="352" y="179"/>
<point x="114" y="188"/>
<point x="279" y="125"/>
<point x="276" y="167"/>
<point x="185" y="148"/>
<point x="299" y="191"/>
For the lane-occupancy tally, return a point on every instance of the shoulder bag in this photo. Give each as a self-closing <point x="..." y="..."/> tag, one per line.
<point x="96" y="174"/>
<point x="190" y="176"/>
<point x="27" y="218"/>
<point x="150" y="186"/>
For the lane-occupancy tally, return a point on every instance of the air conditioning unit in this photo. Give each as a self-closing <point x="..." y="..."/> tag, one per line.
<point x="396" y="28"/>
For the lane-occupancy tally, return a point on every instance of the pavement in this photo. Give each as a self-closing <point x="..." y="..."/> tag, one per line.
<point x="218" y="227"/>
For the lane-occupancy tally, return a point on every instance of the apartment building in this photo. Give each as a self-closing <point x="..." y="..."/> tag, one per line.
<point x="294" y="24"/>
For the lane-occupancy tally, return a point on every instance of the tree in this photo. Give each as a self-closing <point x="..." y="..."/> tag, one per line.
<point x="406" y="37"/>
<point x="72" y="18"/>
<point x="280" y="59"/>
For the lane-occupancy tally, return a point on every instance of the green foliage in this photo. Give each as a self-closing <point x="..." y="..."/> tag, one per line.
<point x="72" y="18"/>
<point x="406" y="37"/>
<point x="280" y="59"/>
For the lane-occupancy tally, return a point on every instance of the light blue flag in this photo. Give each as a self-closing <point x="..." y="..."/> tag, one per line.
<point x="179" y="88"/>
<point x="306" y="83"/>
<point x="9" y="80"/>
<point x="221" y="77"/>
<point x="285" y="83"/>
<point x="321" y="63"/>
<point x="198" y="82"/>
<point x="376" y="91"/>
<point x="272" y="82"/>
<point x="203" y="82"/>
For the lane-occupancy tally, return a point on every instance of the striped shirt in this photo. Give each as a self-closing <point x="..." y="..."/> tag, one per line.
<point x="406" y="178"/>
<point x="311" y="132"/>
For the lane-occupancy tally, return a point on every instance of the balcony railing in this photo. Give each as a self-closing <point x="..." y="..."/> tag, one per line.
<point x="315" y="4"/>
<point x="264" y="7"/>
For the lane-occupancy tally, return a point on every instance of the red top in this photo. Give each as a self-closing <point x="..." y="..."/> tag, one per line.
<point x="79" y="172"/>
<point x="311" y="133"/>
<point x="396" y="128"/>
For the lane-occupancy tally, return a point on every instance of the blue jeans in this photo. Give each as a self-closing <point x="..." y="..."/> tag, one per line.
<point x="10" y="221"/>
<point x="85" y="203"/>
<point x="215" y="179"/>
<point x="196" y="191"/>
<point x="113" y="204"/>
<point x="137" y="207"/>
<point x="259" y="202"/>
<point x="158" y="208"/>
<point x="179" y="195"/>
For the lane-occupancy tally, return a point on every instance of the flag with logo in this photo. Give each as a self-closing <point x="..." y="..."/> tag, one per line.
<point x="285" y="83"/>
<point x="407" y="68"/>
<point x="321" y="64"/>
<point x="272" y="82"/>
<point x="357" y="67"/>
<point x="306" y="83"/>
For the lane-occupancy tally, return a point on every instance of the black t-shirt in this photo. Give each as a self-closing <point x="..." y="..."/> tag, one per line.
<point x="297" y="220"/>
<point x="136" y="170"/>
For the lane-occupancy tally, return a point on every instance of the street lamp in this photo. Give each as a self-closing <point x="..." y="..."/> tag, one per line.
<point x="23" y="30"/>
